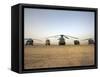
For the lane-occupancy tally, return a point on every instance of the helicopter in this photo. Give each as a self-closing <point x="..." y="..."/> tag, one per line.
<point x="62" y="39"/>
<point x="90" y="40"/>
<point x="47" y="42"/>
<point x="76" y="42"/>
<point x="30" y="41"/>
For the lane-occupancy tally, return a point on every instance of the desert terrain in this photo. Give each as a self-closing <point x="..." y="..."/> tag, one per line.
<point x="58" y="56"/>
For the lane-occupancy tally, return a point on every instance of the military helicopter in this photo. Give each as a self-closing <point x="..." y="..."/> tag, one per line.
<point x="90" y="40"/>
<point x="30" y="41"/>
<point x="76" y="42"/>
<point x="62" y="39"/>
<point x="47" y="42"/>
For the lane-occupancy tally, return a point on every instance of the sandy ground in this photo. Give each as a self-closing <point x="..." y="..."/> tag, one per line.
<point x="58" y="56"/>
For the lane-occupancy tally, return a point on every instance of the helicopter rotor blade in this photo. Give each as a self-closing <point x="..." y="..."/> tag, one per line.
<point x="87" y="39"/>
<point x="66" y="37"/>
<point x="27" y="38"/>
<point x="53" y="36"/>
<point x="32" y="39"/>
<point x="37" y="39"/>
<point x="71" y="36"/>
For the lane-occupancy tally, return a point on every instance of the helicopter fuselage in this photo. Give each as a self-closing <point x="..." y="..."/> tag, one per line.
<point x="61" y="41"/>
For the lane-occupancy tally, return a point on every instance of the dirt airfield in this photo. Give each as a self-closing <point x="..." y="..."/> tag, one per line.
<point x="58" y="56"/>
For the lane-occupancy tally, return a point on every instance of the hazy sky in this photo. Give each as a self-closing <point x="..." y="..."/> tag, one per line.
<point x="41" y="23"/>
